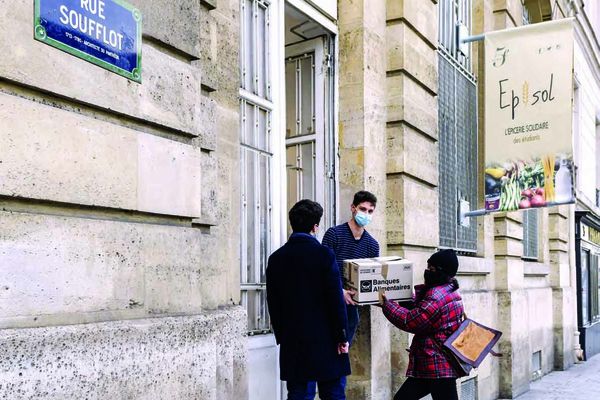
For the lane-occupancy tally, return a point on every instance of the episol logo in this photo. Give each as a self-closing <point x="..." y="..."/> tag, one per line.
<point x="366" y="286"/>
<point x="500" y="56"/>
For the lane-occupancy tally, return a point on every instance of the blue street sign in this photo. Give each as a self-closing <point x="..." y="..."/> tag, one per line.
<point x="107" y="33"/>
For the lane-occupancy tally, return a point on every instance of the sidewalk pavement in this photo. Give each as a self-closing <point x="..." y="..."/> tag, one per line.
<point x="580" y="382"/>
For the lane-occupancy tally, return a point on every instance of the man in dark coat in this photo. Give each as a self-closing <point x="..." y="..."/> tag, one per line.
<point x="307" y="309"/>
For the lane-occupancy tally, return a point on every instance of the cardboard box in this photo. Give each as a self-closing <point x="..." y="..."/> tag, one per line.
<point x="369" y="276"/>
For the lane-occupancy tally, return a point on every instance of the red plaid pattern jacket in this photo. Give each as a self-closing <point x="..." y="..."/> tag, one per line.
<point x="435" y="313"/>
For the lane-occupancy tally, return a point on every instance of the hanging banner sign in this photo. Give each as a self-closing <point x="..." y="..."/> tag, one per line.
<point x="107" y="33"/>
<point x="528" y="116"/>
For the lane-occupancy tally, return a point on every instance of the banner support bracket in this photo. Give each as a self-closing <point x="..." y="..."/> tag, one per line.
<point x="464" y="215"/>
<point x="463" y="37"/>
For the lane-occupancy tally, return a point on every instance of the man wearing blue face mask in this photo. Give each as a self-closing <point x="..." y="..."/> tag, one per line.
<point x="350" y="240"/>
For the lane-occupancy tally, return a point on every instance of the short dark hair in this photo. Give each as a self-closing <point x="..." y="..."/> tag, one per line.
<point x="304" y="215"/>
<point x="362" y="196"/>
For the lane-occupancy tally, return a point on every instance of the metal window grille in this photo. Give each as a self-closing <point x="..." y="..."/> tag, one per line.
<point x="256" y="158"/>
<point x="457" y="119"/>
<point x="255" y="47"/>
<point x="530" y="234"/>
<point x="458" y="149"/>
<point x="468" y="389"/>
<point x="451" y="13"/>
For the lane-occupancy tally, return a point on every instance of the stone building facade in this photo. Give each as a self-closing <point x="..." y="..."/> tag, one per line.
<point x="137" y="218"/>
<point x="120" y="277"/>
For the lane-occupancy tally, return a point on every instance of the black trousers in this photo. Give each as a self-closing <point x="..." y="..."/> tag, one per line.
<point x="440" y="389"/>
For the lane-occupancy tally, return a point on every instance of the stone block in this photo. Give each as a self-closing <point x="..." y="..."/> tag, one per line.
<point x="407" y="51"/>
<point x="208" y="113"/>
<point x="422" y="15"/>
<point x="407" y="101"/>
<point x="166" y="97"/>
<point x="120" y="265"/>
<point x="411" y="152"/>
<point x="558" y="227"/>
<point x="559" y="245"/>
<point x="168" y="176"/>
<point x="503" y="20"/>
<point x="411" y="205"/>
<point x="66" y="157"/>
<point x="564" y="306"/>
<point x="508" y="247"/>
<point x="219" y="63"/>
<point x="515" y="369"/>
<point x="540" y="326"/>
<point x="508" y="274"/>
<point x="512" y="8"/>
<point x="508" y="228"/>
<point x="61" y="156"/>
<point x="352" y="167"/>
<point x="179" y="357"/>
<point x="351" y="66"/>
<point x="175" y="23"/>
<point x="350" y="14"/>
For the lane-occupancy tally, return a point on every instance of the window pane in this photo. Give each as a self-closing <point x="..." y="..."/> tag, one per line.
<point x="597" y="267"/>
<point x="263" y="129"/>
<point x="248" y="43"/>
<point x="256" y="304"/>
<point x="251" y="216"/>
<point x="458" y="154"/>
<point x="261" y="42"/>
<point x="593" y="285"/>
<point x="265" y="207"/>
<point x="530" y="234"/>
<point x="307" y="93"/>
<point x="290" y="98"/>
<point x="447" y="156"/>
<point x="308" y="171"/>
<point x="585" y="282"/>
<point x="292" y="175"/>
<point x="249" y="125"/>
<point x="251" y="306"/>
<point x="263" y="320"/>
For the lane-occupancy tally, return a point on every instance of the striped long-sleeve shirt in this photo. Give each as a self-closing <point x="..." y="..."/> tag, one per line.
<point x="341" y="240"/>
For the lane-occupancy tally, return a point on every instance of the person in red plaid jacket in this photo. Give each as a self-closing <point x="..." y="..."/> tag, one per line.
<point x="434" y="314"/>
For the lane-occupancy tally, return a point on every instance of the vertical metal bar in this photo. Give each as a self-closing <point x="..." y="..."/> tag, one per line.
<point x="299" y="172"/>
<point x="267" y="47"/>
<point x="243" y="42"/>
<point x="255" y="45"/>
<point x="298" y="97"/>
<point x="312" y="94"/>
<point x="314" y="169"/>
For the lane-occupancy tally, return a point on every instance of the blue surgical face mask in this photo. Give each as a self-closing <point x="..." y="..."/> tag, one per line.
<point x="362" y="219"/>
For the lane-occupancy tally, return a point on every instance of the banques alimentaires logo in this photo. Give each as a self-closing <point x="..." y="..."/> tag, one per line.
<point x="375" y="285"/>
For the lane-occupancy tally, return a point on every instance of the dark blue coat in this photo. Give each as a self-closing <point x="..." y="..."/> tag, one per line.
<point x="307" y="310"/>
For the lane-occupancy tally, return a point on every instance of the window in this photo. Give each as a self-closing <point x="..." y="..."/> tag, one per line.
<point x="530" y="234"/>
<point x="255" y="159"/>
<point x="585" y="287"/>
<point x="457" y="119"/>
<point x="594" y="285"/>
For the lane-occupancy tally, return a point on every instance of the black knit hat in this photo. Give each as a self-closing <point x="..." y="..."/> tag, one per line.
<point x="445" y="260"/>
